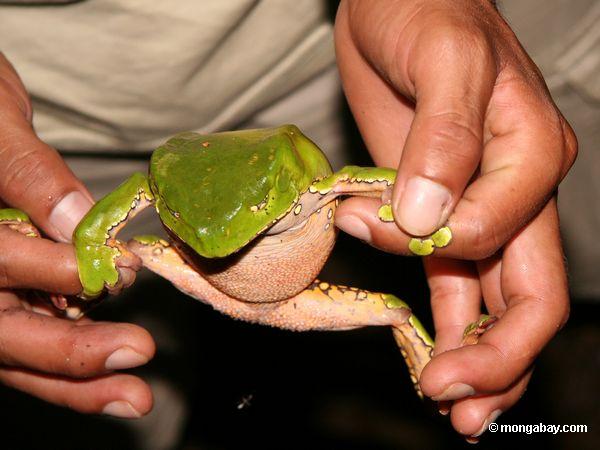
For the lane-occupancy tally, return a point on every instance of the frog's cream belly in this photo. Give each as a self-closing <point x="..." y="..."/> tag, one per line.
<point x="273" y="267"/>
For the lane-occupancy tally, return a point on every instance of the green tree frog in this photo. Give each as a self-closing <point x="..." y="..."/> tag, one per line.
<point x="250" y="219"/>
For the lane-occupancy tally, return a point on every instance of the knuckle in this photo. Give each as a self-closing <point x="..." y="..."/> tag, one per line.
<point x="13" y="97"/>
<point x="559" y="143"/>
<point x="23" y="171"/>
<point x="4" y="276"/>
<point x="453" y="136"/>
<point x="484" y="240"/>
<point x="564" y="316"/>
<point x="570" y="145"/>
<point x="460" y="40"/>
<point x="7" y="314"/>
<point x="72" y="361"/>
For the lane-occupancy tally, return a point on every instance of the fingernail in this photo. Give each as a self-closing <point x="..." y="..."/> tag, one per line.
<point x="421" y="205"/>
<point x="454" y="392"/>
<point x="486" y="423"/>
<point x="67" y="213"/>
<point x="444" y="408"/>
<point x="354" y="226"/>
<point x="125" y="358"/>
<point x="122" y="409"/>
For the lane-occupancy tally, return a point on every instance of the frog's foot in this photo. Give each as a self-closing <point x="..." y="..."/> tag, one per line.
<point x="321" y="306"/>
<point x="426" y="246"/>
<point x="17" y="220"/>
<point x="476" y="329"/>
<point x="359" y="181"/>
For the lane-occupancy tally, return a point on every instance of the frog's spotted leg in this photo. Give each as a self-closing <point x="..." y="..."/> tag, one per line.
<point x="359" y="181"/>
<point x="322" y="306"/>
<point x="102" y="260"/>
<point x="19" y="221"/>
<point x="376" y="182"/>
<point x="476" y="329"/>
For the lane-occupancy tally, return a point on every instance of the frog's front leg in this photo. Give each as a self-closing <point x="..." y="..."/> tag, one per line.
<point x="359" y="181"/>
<point x="376" y="182"/>
<point x="102" y="260"/>
<point x="322" y="306"/>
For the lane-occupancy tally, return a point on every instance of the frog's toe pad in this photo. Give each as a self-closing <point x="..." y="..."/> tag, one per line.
<point x="424" y="247"/>
<point x="385" y="213"/>
<point x="474" y="331"/>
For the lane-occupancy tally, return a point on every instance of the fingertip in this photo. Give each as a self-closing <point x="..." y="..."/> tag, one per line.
<point x="470" y="418"/>
<point x="358" y="217"/>
<point x="66" y="214"/>
<point x="134" y="391"/>
<point x="124" y="345"/>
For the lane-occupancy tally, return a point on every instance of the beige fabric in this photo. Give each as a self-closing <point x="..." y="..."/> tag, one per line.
<point x="126" y="74"/>
<point x="563" y="38"/>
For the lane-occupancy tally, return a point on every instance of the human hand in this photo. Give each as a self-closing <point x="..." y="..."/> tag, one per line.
<point x="443" y="91"/>
<point x="63" y="362"/>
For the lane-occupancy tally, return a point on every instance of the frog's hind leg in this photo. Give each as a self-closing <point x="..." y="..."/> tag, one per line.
<point x="335" y="307"/>
<point x="322" y="306"/>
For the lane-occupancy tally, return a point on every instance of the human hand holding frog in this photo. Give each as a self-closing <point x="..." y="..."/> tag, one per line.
<point x="458" y="174"/>
<point x="58" y="360"/>
<point x="444" y="91"/>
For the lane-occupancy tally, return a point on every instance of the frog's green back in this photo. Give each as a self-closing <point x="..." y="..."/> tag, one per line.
<point x="217" y="192"/>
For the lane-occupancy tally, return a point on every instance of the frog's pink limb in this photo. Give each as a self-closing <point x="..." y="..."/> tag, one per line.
<point x="321" y="306"/>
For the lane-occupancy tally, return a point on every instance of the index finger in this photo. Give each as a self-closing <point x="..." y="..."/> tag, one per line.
<point x="36" y="263"/>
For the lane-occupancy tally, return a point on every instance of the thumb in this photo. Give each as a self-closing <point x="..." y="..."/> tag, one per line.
<point x="445" y="141"/>
<point x="33" y="176"/>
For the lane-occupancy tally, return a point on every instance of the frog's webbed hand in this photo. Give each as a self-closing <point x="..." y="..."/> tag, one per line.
<point x="359" y="181"/>
<point x="375" y="182"/>
<point x="102" y="260"/>
<point x="322" y="306"/>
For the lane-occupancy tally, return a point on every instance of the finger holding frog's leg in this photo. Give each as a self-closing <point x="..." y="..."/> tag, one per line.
<point x="322" y="306"/>
<point x="368" y="220"/>
<point x="534" y="287"/>
<point x="361" y="182"/>
<point x="103" y="261"/>
<point x="375" y="182"/>
<point x="455" y="299"/>
<point x="28" y="261"/>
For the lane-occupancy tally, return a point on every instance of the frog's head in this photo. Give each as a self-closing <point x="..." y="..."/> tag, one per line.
<point x="217" y="192"/>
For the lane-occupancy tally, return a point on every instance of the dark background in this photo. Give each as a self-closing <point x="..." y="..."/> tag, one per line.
<point x="329" y="390"/>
